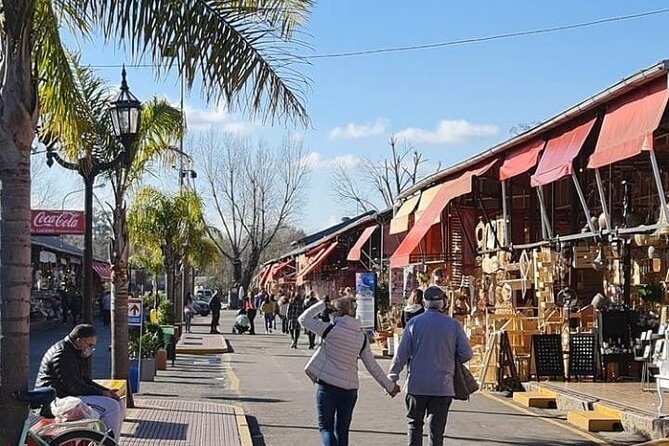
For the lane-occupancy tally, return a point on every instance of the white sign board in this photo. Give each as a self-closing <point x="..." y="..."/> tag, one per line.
<point x="135" y="316"/>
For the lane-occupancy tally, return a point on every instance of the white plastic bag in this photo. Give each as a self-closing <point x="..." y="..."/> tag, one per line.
<point x="71" y="408"/>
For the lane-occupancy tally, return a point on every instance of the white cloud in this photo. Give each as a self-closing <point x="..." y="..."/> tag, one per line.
<point x="198" y="119"/>
<point x="359" y="131"/>
<point x="316" y="161"/>
<point x="448" y="132"/>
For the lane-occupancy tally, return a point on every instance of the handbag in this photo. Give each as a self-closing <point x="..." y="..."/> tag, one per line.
<point x="464" y="382"/>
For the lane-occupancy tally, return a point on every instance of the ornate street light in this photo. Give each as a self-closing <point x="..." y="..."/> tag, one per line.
<point x="125" y="114"/>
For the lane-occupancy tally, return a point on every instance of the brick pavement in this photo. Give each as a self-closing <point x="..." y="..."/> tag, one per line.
<point x="180" y="422"/>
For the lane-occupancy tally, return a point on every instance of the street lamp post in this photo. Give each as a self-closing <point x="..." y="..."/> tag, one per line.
<point x="124" y="114"/>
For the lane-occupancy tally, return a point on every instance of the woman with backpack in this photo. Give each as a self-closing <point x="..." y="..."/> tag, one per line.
<point x="334" y="367"/>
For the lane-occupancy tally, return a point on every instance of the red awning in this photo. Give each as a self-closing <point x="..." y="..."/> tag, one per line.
<point x="520" y="160"/>
<point x="324" y="252"/>
<point x="275" y="270"/>
<point x="629" y="124"/>
<point x="103" y="270"/>
<point x="355" y="254"/>
<point x="559" y="153"/>
<point x="450" y="189"/>
<point x="262" y="275"/>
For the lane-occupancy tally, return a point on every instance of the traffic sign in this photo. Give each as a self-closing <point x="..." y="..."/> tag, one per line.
<point x="135" y="312"/>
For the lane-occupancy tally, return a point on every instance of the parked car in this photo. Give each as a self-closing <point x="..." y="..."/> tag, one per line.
<point x="201" y="307"/>
<point x="204" y="294"/>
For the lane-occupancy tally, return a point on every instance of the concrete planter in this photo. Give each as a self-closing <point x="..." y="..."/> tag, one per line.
<point x="148" y="371"/>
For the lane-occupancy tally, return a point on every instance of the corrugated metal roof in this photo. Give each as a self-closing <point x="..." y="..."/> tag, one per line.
<point x="588" y="105"/>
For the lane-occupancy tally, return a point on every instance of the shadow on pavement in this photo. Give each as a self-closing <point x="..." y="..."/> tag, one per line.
<point x="246" y="399"/>
<point x="254" y="428"/>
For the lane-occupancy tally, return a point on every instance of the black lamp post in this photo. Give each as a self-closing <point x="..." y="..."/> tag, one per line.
<point x="125" y="114"/>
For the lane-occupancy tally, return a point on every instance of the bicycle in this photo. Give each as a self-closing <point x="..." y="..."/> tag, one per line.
<point x="40" y="431"/>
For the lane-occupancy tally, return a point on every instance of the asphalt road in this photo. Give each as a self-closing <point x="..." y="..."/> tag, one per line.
<point x="266" y="377"/>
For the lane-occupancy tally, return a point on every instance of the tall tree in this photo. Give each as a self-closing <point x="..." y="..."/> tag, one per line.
<point x="240" y="50"/>
<point x="171" y="225"/>
<point x="375" y="184"/>
<point x="255" y="192"/>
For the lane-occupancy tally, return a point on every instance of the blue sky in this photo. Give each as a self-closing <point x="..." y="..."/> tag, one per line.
<point x="450" y="103"/>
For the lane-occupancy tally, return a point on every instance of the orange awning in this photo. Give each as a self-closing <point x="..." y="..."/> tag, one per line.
<point x="448" y="190"/>
<point x="629" y="124"/>
<point x="400" y="221"/>
<point x="276" y="269"/>
<point x="322" y="255"/>
<point x="355" y="253"/>
<point x="520" y="160"/>
<point x="559" y="153"/>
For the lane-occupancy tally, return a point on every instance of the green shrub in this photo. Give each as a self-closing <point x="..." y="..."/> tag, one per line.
<point x="151" y="343"/>
<point x="166" y="313"/>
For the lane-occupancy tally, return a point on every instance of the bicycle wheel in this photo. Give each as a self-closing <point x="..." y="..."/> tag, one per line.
<point x="81" y="438"/>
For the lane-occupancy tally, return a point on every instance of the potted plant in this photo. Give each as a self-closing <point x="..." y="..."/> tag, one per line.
<point x="152" y="341"/>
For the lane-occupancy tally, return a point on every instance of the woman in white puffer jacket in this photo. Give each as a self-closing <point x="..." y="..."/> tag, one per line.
<point x="334" y="368"/>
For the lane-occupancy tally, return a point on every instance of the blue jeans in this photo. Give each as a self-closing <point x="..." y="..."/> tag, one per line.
<point x="335" y="410"/>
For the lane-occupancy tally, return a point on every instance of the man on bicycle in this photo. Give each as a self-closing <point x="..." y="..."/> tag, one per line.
<point x="66" y="368"/>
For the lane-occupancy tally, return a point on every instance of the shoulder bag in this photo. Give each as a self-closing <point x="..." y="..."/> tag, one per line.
<point x="464" y="382"/>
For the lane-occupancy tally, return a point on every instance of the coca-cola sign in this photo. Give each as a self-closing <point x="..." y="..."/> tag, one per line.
<point x="57" y="222"/>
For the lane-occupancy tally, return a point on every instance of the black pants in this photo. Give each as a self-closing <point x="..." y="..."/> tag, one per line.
<point x="251" y="313"/>
<point x="312" y="338"/>
<point x="295" y="334"/>
<point x="284" y="325"/>
<point x="215" y="318"/>
<point x="436" y="410"/>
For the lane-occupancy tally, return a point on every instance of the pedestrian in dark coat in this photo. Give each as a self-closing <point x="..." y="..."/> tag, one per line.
<point x="295" y="309"/>
<point x="215" y="307"/>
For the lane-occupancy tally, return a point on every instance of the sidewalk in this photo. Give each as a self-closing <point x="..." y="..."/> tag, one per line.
<point x="179" y="408"/>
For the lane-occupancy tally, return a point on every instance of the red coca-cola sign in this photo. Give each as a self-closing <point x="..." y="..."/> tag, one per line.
<point x="57" y="222"/>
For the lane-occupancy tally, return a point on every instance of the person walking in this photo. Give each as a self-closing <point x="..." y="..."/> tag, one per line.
<point x="251" y="311"/>
<point x="311" y="300"/>
<point x="295" y="309"/>
<point x="189" y="312"/>
<point x="76" y="305"/>
<point x="413" y="307"/>
<point x="64" y="303"/>
<point x="430" y="345"/>
<point x="334" y="368"/>
<point x="268" y="307"/>
<point x="105" y="306"/>
<point x="215" y="307"/>
<point x="283" y="313"/>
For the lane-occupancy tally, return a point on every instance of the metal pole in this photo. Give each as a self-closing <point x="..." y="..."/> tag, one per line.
<point x="545" y="226"/>
<point x="658" y="184"/>
<point x="505" y="215"/>
<point x="602" y="198"/>
<point x="87" y="315"/>
<point x="584" y="205"/>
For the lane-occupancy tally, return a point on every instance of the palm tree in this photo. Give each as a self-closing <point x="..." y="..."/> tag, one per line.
<point x="238" y="49"/>
<point x="169" y="225"/>
<point x="161" y="125"/>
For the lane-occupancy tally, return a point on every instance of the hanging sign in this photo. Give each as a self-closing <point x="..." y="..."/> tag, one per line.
<point x="56" y="222"/>
<point x="365" y="291"/>
<point x="135" y="312"/>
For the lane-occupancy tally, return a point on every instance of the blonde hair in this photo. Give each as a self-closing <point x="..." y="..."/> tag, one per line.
<point x="416" y="297"/>
<point x="344" y="306"/>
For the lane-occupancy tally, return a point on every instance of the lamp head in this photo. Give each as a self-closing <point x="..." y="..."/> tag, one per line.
<point x="125" y="111"/>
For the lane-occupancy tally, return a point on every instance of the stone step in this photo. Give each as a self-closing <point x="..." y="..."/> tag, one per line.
<point x="535" y="399"/>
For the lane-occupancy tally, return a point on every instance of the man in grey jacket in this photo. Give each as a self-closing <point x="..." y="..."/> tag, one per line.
<point x="429" y="346"/>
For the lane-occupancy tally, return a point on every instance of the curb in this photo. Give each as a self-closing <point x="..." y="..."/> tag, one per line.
<point x="243" y="427"/>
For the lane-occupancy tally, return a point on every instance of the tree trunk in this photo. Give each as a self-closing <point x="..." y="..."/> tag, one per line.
<point x="237" y="271"/>
<point x="120" y="296"/>
<point x="17" y="115"/>
<point x="251" y="265"/>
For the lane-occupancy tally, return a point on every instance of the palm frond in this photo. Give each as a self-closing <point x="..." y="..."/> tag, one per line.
<point x="241" y="51"/>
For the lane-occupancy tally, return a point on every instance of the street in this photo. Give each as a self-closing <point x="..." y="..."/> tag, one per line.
<point x="268" y="381"/>
<point x="265" y="377"/>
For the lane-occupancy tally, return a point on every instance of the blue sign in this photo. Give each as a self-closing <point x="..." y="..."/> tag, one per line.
<point x="135" y="310"/>
<point x="365" y="290"/>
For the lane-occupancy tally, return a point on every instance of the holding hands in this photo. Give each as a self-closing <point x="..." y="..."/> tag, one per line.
<point x="395" y="391"/>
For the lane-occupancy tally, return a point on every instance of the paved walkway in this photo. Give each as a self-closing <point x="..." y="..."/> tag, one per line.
<point x="179" y="422"/>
